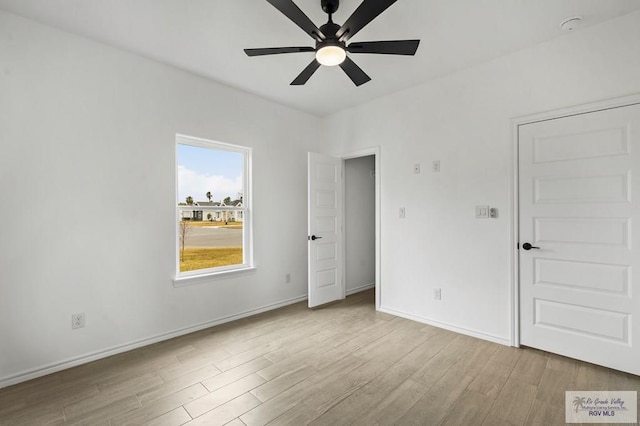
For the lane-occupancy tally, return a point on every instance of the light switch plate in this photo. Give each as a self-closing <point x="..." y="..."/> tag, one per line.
<point x="482" y="212"/>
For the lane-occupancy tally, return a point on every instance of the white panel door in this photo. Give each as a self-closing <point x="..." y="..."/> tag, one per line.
<point x="325" y="229"/>
<point x="579" y="196"/>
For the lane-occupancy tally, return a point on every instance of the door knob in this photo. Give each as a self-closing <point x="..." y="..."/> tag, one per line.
<point x="528" y="246"/>
<point x="313" y="238"/>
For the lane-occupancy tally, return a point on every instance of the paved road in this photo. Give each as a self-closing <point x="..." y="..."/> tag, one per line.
<point x="211" y="236"/>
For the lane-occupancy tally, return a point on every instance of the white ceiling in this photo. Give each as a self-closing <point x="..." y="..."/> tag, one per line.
<point x="206" y="37"/>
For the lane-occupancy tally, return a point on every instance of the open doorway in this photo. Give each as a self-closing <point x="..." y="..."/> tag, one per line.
<point x="333" y="270"/>
<point x="360" y="224"/>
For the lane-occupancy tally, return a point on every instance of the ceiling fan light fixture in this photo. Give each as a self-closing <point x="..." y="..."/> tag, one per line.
<point x="331" y="55"/>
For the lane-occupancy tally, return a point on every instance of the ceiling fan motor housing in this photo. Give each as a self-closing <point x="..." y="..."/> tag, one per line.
<point x="329" y="30"/>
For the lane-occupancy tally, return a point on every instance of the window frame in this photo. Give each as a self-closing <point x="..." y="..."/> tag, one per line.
<point x="247" y="265"/>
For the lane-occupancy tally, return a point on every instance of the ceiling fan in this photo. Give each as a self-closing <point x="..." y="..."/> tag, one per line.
<point x="331" y="39"/>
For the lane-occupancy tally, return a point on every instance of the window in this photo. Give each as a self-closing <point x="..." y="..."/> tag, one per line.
<point x="213" y="204"/>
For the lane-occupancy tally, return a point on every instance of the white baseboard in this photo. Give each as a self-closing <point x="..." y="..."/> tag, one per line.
<point x="351" y="291"/>
<point x="73" y="362"/>
<point x="468" y="332"/>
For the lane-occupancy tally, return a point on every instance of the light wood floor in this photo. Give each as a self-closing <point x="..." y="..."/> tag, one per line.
<point x="341" y="365"/>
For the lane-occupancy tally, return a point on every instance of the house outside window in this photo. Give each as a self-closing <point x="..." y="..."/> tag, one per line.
<point x="213" y="207"/>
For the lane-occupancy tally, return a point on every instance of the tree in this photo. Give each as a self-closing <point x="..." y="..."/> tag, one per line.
<point x="209" y="196"/>
<point x="189" y="200"/>
<point x="209" y="217"/>
<point x="240" y="196"/>
<point x="185" y="227"/>
<point x="226" y="202"/>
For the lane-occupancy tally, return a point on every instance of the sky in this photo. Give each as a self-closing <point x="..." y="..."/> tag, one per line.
<point x="202" y="169"/>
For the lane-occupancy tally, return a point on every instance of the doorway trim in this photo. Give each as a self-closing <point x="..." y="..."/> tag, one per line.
<point x="514" y="288"/>
<point x="365" y="152"/>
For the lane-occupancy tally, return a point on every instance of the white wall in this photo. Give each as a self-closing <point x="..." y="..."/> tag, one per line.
<point x="464" y="120"/>
<point x="87" y="140"/>
<point x="359" y="209"/>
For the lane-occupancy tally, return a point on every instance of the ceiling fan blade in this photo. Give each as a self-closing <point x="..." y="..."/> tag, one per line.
<point x="392" y="47"/>
<point x="354" y="72"/>
<point x="306" y="73"/>
<point x="293" y="12"/>
<point x="277" y="50"/>
<point x="365" y="13"/>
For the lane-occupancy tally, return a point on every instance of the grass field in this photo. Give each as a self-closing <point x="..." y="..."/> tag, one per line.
<point x="202" y="258"/>
<point x="204" y="223"/>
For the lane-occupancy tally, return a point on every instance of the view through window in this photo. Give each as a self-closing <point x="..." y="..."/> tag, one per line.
<point x="212" y="206"/>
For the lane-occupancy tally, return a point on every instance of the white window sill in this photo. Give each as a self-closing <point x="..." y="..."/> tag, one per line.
<point x="212" y="276"/>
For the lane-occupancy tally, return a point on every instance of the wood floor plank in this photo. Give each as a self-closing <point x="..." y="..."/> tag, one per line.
<point x="99" y="408"/>
<point x="275" y="407"/>
<point x="236" y="422"/>
<point x="394" y="406"/>
<point x="278" y="385"/>
<point x="435" y="405"/>
<point x="131" y="385"/>
<point x="195" y="359"/>
<point x="159" y="407"/>
<point x="381" y="356"/>
<point x="556" y="379"/>
<point x="36" y="415"/>
<point x="473" y="354"/>
<point x="44" y="404"/>
<point x="176" y="417"/>
<point x="301" y="414"/>
<point x="438" y="365"/>
<point x="308" y="356"/>
<point x="513" y="404"/>
<point x="227" y="412"/>
<point x="491" y="378"/>
<point x="244" y="357"/>
<point x="169" y="387"/>
<point x="10" y="406"/>
<point x="294" y="331"/>
<point x="591" y="377"/>
<point x="470" y="408"/>
<point x="330" y="331"/>
<point x="342" y="364"/>
<point x="220" y="396"/>
<point x="364" y="400"/>
<point x="530" y="366"/>
<point x="544" y="414"/>
<point x="131" y="363"/>
<point x="223" y="379"/>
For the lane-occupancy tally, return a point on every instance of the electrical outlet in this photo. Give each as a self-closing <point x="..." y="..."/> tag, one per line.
<point x="437" y="294"/>
<point x="77" y="320"/>
<point x="287" y="278"/>
<point x="416" y="168"/>
<point x="402" y="213"/>
<point x="435" y="167"/>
